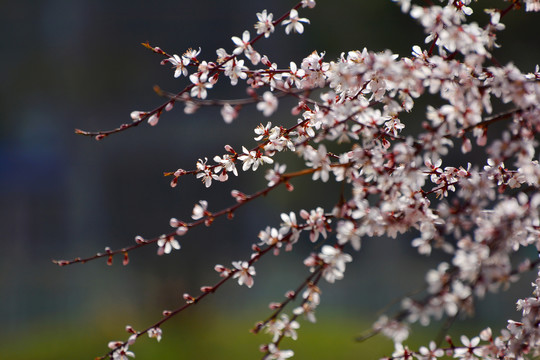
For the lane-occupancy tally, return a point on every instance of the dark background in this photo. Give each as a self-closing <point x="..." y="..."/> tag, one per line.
<point x="70" y="64"/>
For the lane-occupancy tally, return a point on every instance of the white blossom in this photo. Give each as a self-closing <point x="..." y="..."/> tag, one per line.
<point x="335" y="260"/>
<point x="268" y="105"/>
<point x="264" y="25"/>
<point x="244" y="273"/>
<point x="294" y="23"/>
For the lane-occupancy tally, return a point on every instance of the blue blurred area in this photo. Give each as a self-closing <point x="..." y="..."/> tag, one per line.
<point x="70" y="64"/>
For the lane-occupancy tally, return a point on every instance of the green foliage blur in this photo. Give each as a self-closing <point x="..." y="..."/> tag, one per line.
<point x="210" y="335"/>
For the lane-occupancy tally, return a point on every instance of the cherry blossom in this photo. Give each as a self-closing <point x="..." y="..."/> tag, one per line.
<point x="270" y="236"/>
<point x="308" y="3"/>
<point x="470" y="350"/>
<point x="347" y="233"/>
<point x="433" y="352"/>
<point x="295" y="77"/>
<point x="191" y="54"/>
<point x="155" y="333"/>
<point x="244" y="273"/>
<point x="122" y="353"/>
<point x="199" y="210"/>
<point x="319" y="160"/>
<point x="294" y="23"/>
<point x="205" y="173"/>
<point x="393" y="329"/>
<point x="269" y="104"/>
<point x="274" y="175"/>
<point x="201" y="84"/>
<point x="242" y="44"/>
<point x="166" y="244"/>
<point x="264" y="25"/>
<point x="335" y="261"/>
<point x="179" y="64"/>
<point x="252" y="159"/>
<point x="229" y="113"/>
<point x="277" y="354"/>
<point x="235" y="70"/>
<point x="316" y="222"/>
<point x="289" y="224"/>
<point x="532" y="5"/>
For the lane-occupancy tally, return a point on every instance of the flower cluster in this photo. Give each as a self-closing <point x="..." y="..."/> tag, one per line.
<point x="352" y="131"/>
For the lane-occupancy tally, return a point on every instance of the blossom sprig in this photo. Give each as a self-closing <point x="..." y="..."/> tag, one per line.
<point x="152" y="115"/>
<point x="439" y="300"/>
<point x="516" y="341"/>
<point x="328" y="264"/>
<point x="286" y="327"/>
<point x="241" y="270"/>
<point x="202" y="216"/>
<point x="310" y="282"/>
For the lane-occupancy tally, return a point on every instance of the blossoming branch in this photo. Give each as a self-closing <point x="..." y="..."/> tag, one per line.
<point x="348" y="129"/>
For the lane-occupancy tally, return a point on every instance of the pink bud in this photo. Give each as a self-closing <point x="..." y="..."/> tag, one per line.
<point x="181" y="230"/>
<point x="290" y="294"/>
<point x="265" y="61"/>
<point x="136" y="115"/>
<point x="125" y="261"/>
<point x="188" y="298"/>
<point x="239" y="196"/>
<point x="153" y="120"/>
<point x="114" y="344"/>
<point x="482" y="139"/>
<point x="252" y="93"/>
<point x="274" y="305"/>
<point x="179" y="172"/>
<point x="220" y="268"/>
<point x="466" y="146"/>
<point x="289" y="186"/>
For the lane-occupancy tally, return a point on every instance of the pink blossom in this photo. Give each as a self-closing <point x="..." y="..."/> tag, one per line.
<point x="244" y="273"/>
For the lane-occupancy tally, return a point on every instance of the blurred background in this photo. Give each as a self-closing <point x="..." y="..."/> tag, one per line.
<point x="70" y="64"/>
